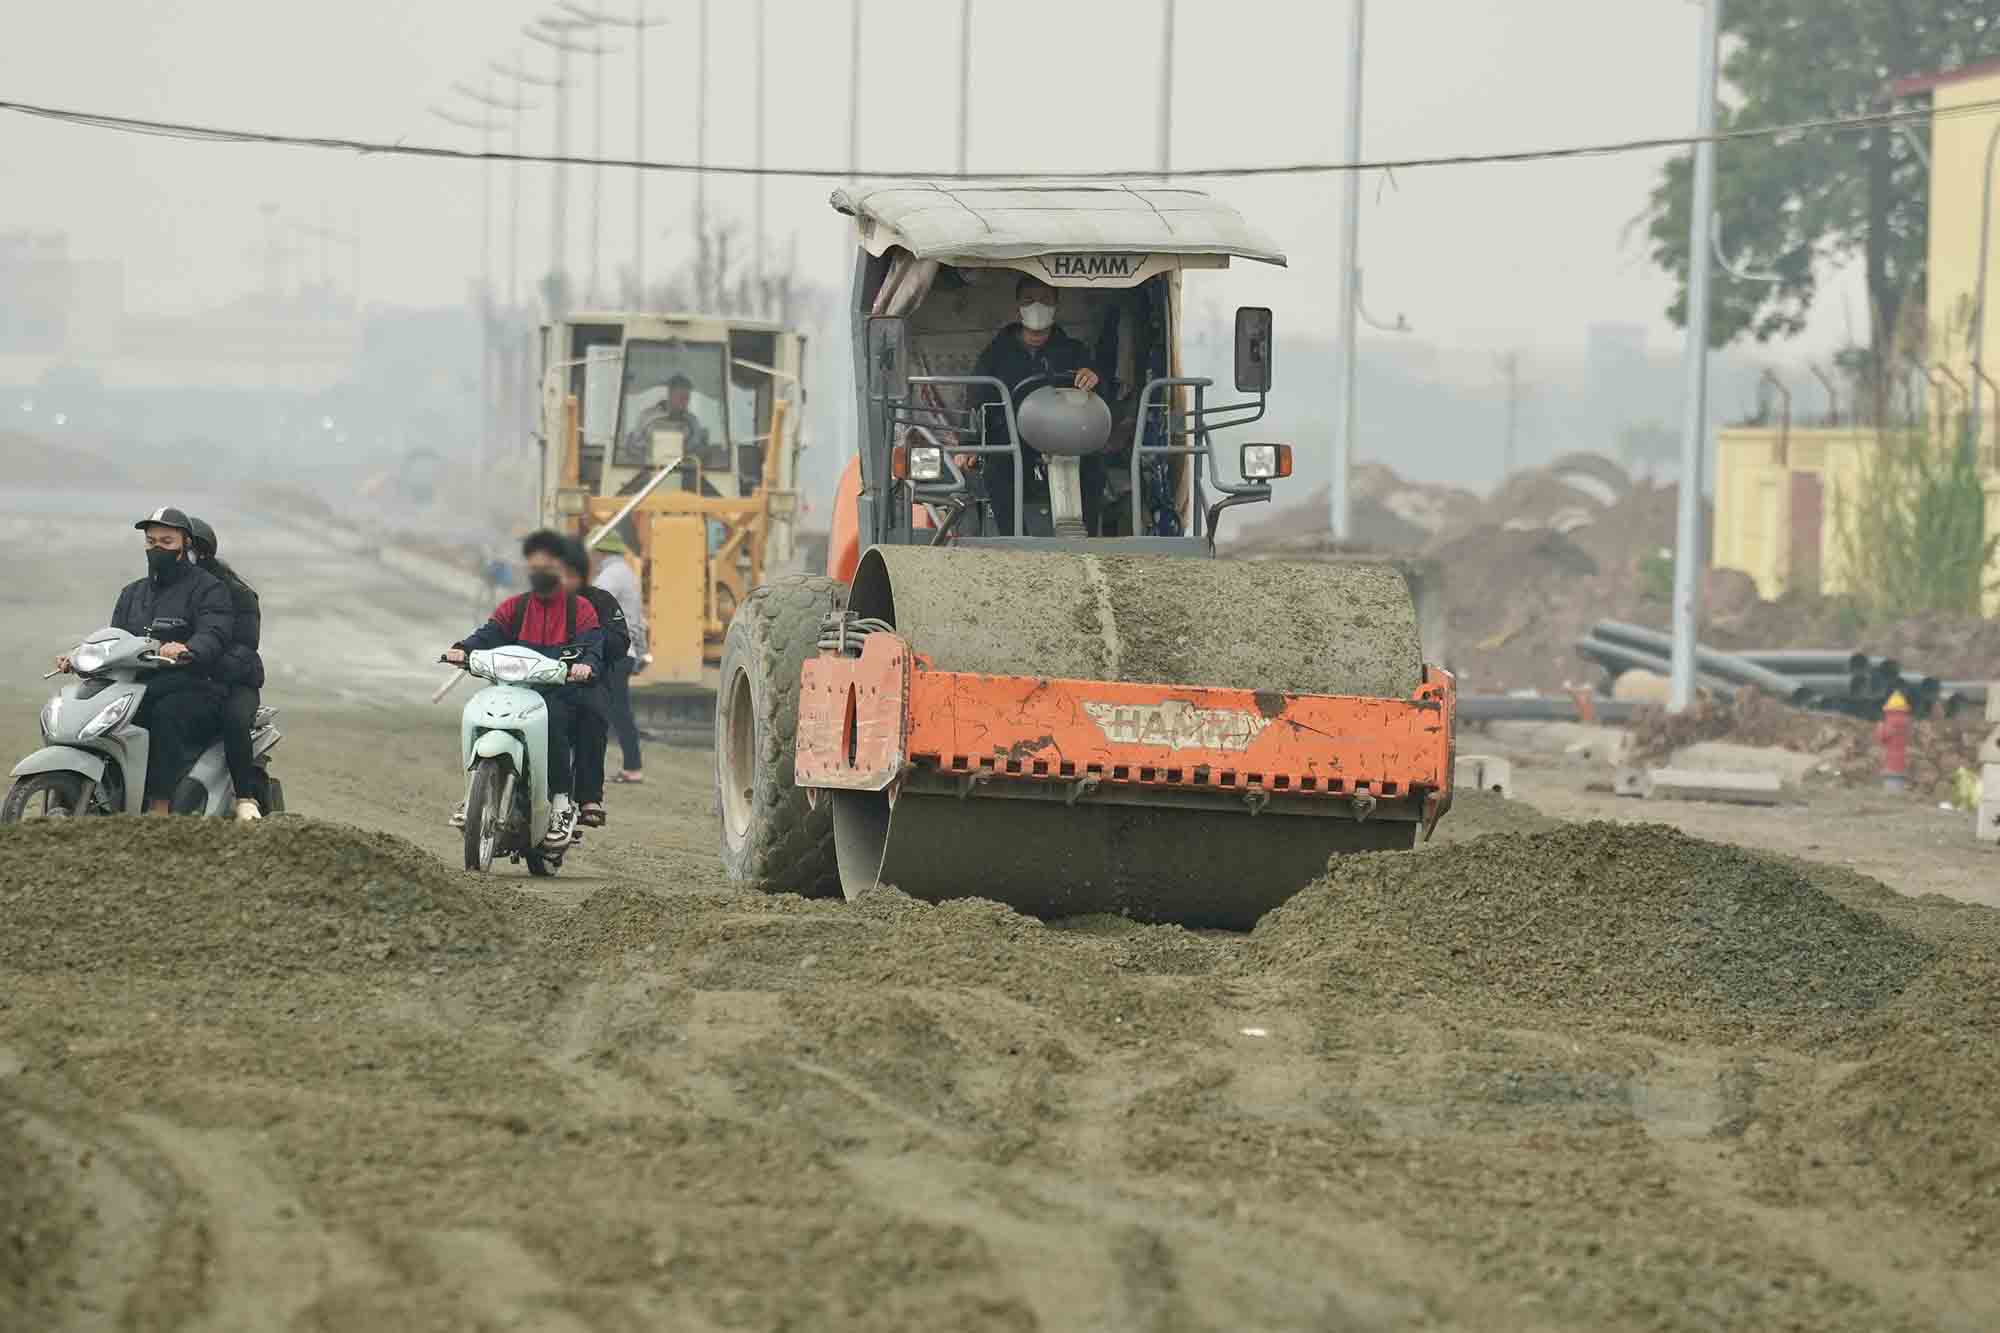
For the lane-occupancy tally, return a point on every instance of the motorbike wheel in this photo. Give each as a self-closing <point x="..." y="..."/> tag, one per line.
<point x="483" y="815"/>
<point x="61" y="794"/>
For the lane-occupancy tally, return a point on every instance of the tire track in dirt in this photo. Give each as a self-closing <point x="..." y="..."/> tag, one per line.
<point x="270" y="1258"/>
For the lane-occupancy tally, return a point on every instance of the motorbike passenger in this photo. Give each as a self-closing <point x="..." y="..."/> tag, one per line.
<point x="1036" y="345"/>
<point x="240" y="672"/>
<point x="594" y="715"/>
<point x="617" y="576"/>
<point x="189" y="610"/>
<point x="551" y="622"/>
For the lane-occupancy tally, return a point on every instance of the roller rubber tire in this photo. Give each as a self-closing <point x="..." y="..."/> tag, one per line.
<point x="770" y="838"/>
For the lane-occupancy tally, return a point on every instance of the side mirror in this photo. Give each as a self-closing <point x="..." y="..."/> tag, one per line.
<point x="888" y="356"/>
<point x="1253" y="349"/>
<point x="603" y="373"/>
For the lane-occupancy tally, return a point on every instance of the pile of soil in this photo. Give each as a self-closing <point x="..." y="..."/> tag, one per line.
<point x="1939" y="746"/>
<point x="1948" y="647"/>
<point x="281" y="896"/>
<point x="1640" y="927"/>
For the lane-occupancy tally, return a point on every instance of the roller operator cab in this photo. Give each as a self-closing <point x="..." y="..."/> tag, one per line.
<point x="1024" y="676"/>
<point x="682" y="432"/>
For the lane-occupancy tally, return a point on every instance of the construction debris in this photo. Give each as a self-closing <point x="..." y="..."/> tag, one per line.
<point x="1483" y="772"/>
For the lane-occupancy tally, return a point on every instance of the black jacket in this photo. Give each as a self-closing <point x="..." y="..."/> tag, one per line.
<point x="190" y="606"/>
<point x="241" y="664"/>
<point x="1010" y="361"/>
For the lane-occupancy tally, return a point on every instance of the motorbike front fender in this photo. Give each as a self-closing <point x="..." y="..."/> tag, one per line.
<point x="62" y="759"/>
<point x="497" y="745"/>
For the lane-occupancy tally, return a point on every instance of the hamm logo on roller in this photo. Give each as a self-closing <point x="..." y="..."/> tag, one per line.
<point x="1094" y="266"/>
<point x="1177" y="725"/>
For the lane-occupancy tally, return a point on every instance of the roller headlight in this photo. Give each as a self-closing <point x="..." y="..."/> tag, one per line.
<point x="109" y="718"/>
<point x="1266" y="462"/>
<point x="926" y="463"/>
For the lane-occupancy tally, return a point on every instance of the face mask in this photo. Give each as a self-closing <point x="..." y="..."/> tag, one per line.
<point x="543" y="581"/>
<point x="1037" y="316"/>
<point x="161" y="563"/>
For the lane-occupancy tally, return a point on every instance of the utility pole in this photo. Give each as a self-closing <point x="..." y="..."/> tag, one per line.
<point x="854" y="91"/>
<point x="1510" y="370"/>
<point x="1694" y="425"/>
<point x="638" y="23"/>
<point x="965" y="79"/>
<point x="513" y="108"/>
<point x="1339" y="513"/>
<point x="1166" y="144"/>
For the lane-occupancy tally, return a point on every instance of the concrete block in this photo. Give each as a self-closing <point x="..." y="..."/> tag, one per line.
<point x="1987" y="827"/>
<point x="1993" y="701"/>
<point x="1484" y="772"/>
<point x="1578" y="740"/>
<point x="1791" y="766"/>
<point x="1687" y="784"/>
<point x="1989" y="749"/>
<point x="1629" y="781"/>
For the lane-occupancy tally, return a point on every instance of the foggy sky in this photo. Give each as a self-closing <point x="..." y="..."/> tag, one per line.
<point x="1478" y="258"/>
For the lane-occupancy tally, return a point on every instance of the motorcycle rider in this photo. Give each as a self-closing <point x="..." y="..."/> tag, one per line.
<point x="551" y="622"/>
<point x="240" y="672"/>
<point x="189" y="610"/>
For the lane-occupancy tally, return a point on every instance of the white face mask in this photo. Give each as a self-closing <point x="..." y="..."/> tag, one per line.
<point x="1037" y="316"/>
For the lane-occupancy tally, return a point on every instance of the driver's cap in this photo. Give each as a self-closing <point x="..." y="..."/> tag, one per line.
<point x="167" y="517"/>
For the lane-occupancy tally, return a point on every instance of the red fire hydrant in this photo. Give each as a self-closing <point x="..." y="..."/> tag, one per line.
<point x="1892" y="733"/>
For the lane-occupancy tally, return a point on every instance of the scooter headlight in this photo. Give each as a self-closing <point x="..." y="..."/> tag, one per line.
<point x="50" y="712"/>
<point x="90" y="658"/>
<point x="109" y="718"/>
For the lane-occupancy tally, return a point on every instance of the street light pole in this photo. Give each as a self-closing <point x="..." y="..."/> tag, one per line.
<point x="1694" y="424"/>
<point x="854" y="90"/>
<point x="965" y="79"/>
<point x="521" y="79"/>
<point x="484" y="126"/>
<point x="762" y="291"/>
<point x="638" y="23"/>
<point x="551" y="33"/>
<point x="1166" y="144"/>
<point x="1338" y="508"/>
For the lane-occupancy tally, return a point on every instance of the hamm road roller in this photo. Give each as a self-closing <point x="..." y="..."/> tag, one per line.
<point x="1025" y="676"/>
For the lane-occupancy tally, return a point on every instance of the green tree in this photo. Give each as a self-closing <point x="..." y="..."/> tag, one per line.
<point x="1797" y="208"/>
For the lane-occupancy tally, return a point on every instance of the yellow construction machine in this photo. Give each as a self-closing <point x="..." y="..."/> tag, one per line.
<point x="682" y="434"/>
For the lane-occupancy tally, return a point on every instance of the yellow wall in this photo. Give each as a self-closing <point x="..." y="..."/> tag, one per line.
<point x="1753" y="502"/>
<point x="1958" y="166"/>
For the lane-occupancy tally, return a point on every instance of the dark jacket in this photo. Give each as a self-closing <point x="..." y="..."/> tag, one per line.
<point x="1010" y="361"/>
<point x="189" y="606"/>
<point x="241" y="664"/>
<point x="547" y="624"/>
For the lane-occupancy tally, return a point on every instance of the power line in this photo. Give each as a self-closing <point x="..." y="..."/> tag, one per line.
<point x="381" y="148"/>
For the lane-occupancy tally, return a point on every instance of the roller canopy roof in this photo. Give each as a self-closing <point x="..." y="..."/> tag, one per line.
<point x="970" y="222"/>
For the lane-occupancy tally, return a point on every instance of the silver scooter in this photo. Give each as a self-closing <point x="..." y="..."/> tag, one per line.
<point x="94" y="757"/>
<point x="504" y="737"/>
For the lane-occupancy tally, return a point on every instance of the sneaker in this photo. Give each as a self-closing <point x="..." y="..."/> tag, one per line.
<point x="246" y="808"/>
<point x="562" y="823"/>
<point x="458" y="816"/>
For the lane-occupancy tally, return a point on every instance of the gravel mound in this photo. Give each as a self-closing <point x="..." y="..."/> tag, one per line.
<point x="1640" y="926"/>
<point x="279" y="896"/>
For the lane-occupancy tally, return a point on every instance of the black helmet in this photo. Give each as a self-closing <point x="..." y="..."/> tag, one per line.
<point x="167" y="517"/>
<point x="204" y="537"/>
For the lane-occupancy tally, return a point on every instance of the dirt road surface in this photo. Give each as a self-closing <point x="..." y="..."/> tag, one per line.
<point x="1545" y="1074"/>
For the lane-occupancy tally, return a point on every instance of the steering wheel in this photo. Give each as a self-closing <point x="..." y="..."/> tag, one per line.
<point x="1062" y="379"/>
